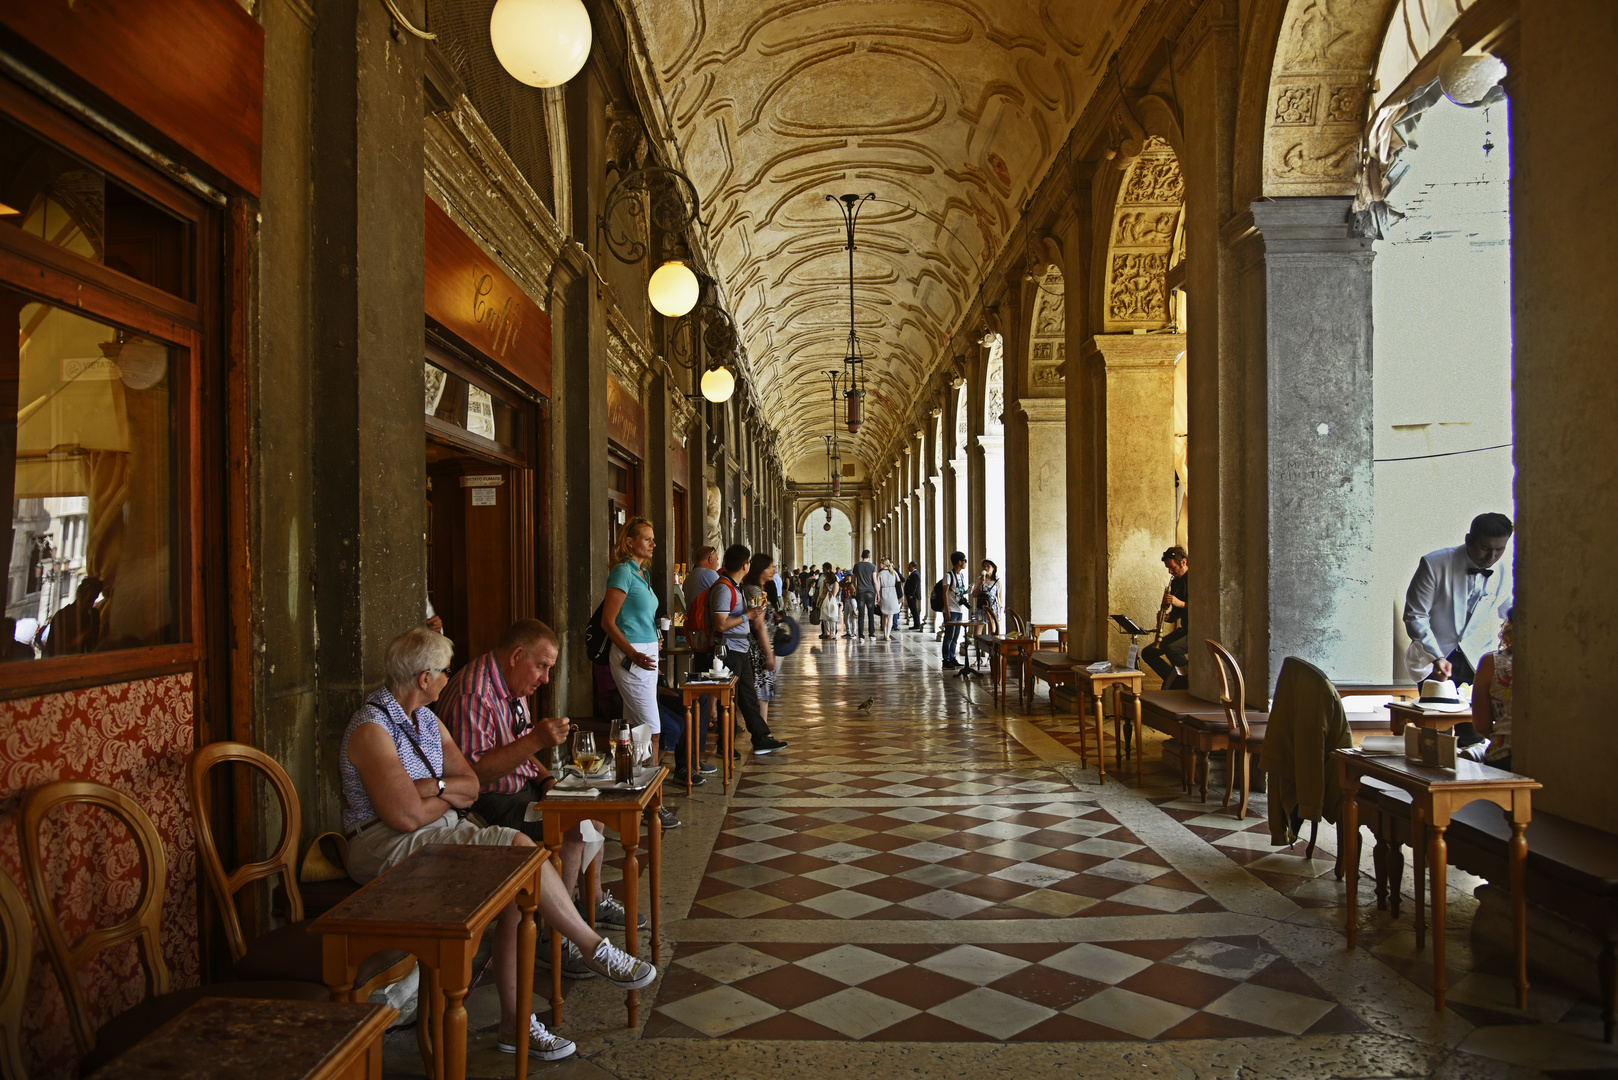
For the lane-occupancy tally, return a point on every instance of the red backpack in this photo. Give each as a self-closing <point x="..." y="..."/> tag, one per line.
<point x="699" y="632"/>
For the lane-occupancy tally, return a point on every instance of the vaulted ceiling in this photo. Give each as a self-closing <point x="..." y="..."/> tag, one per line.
<point x="949" y="111"/>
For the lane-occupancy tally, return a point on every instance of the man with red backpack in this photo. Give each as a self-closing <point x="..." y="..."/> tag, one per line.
<point x="727" y="615"/>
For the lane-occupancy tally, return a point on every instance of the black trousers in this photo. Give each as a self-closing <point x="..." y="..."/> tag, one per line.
<point x="1462" y="673"/>
<point x="747" y="694"/>
<point x="508" y="809"/>
<point x="1164" y="658"/>
<point x="914" y="604"/>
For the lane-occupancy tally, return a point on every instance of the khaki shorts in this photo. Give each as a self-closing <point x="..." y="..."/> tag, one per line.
<point x="382" y="847"/>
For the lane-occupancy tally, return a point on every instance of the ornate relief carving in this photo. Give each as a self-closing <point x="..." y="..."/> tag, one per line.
<point x="1155" y="181"/>
<point x="1320" y="158"/>
<point x="1324" y="51"/>
<point x="1295" y="105"/>
<point x="1136" y="288"/>
<point x="1050" y="318"/>
<point x="1146" y="227"/>
<point x="1346" y="105"/>
<point x="1048" y="376"/>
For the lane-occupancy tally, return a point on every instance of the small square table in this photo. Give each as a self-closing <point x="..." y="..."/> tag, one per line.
<point x="231" y="1038"/>
<point x="1096" y="684"/>
<point x="1435" y="795"/>
<point x="623" y="813"/>
<point x="723" y="692"/>
<point x="1405" y="713"/>
<point x="436" y="904"/>
<point x="1002" y="648"/>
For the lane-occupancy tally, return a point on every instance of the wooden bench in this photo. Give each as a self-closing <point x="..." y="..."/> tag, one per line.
<point x="1572" y="872"/>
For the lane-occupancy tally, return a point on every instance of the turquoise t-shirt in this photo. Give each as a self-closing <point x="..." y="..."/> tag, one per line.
<point x="637" y="619"/>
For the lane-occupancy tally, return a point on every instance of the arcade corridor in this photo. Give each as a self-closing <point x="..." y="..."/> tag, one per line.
<point x="930" y="887"/>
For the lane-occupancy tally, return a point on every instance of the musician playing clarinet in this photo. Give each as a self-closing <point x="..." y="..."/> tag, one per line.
<point x="1168" y="652"/>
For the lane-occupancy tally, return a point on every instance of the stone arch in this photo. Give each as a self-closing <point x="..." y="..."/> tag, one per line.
<point x="808" y="507"/>
<point x="1145" y="237"/>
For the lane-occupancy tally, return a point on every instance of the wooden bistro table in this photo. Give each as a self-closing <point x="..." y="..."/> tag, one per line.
<point x="1038" y="630"/>
<point x="1405" y="713"/>
<point x="623" y="813"/>
<point x="436" y="904"/>
<point x="723" y="692"/>
<point x="1002" y="648"/>
<point x="1096" y="684"/>
<point x="1435" y="795"/>
<point x="232" y="1038"/>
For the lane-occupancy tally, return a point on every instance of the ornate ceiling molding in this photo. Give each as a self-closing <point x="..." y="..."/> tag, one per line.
<point x="956" y="108"/>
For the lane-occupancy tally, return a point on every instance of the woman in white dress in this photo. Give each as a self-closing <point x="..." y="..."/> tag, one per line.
<point x="887" y="591"/>
<point x="830" y="602"/>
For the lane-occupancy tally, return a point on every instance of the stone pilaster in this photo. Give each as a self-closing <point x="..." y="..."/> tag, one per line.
<point x="1039" y="584"/>
<point x="1132" y="387"/>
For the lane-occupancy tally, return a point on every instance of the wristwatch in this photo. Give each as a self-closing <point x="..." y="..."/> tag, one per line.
<point x="440" y="787"/>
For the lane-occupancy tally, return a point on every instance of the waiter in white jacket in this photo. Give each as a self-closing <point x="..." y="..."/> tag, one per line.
<point x="1452" y="608"/>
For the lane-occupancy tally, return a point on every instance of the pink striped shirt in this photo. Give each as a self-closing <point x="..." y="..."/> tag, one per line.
<point x="481" y="713"/>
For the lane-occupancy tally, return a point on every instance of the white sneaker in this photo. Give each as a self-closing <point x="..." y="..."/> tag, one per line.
<point x="622" y="970"/>
<point x="542" y="1045"/>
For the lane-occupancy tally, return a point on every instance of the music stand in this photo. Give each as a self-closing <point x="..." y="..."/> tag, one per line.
<point x="1129" y="626"/>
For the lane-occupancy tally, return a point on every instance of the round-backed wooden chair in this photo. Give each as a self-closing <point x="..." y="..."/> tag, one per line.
<point x="101" y="1040"/>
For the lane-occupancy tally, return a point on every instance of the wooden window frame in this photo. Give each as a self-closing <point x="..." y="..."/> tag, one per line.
<point x="56" y="276"/>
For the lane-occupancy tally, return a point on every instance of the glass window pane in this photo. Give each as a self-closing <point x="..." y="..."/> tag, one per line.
<point x="49" y="193"/>
<point x="93" y="561"/>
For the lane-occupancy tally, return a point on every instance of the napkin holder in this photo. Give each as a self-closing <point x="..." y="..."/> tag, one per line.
<point x="1428" y="746"/>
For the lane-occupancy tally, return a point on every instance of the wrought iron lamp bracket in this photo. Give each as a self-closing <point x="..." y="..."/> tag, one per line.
<point x="654" y="195"/>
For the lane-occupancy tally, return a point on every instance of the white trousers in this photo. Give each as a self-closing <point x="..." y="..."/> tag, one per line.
<point x="638" y="686"/>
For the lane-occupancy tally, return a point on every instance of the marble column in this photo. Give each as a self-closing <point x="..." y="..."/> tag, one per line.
<point x="1131" y="380"/>
<point x="1306" y="293"/>
<point x="994" y="501"/>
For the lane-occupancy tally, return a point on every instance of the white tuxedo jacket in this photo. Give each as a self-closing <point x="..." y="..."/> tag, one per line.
<point x="1440" y="613"/>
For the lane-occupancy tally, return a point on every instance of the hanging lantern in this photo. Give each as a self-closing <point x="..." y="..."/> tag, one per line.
<point x="673" y="289"/>
<point x="855" y="401"/>
<point x="540" y="42"/>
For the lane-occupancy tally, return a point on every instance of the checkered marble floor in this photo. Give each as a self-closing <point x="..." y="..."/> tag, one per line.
<point x="970" y="860"/>
<point x="930" y="878"/>
<point x="1121" y="990"/>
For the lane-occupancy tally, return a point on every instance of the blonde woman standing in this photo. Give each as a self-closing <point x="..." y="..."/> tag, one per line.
<point x="629" y="617"/>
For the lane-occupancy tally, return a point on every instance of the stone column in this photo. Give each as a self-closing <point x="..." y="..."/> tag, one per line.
<point x="994" y="501"/>
<point x="1131" y="380"/>
<point x="1307" y="284"/>
<point x="367" y="264"/>
<point x="1039" y="582"/>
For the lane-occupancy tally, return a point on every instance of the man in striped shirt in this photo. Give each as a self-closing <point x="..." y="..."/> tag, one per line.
<point x="485" y="709"/>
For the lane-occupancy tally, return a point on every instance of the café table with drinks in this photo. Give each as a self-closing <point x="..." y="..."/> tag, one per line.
<point x="620" y="794"/>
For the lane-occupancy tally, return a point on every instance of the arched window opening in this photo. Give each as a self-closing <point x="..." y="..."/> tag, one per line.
<point x="1442" y="347"/>
<point x="823" y="545"/>
<point x="994" y="455"/>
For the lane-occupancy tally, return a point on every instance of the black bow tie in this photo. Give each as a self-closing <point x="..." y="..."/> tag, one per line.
<point x="1478" y="570"/>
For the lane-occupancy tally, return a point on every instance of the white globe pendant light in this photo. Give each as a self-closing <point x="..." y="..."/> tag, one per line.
<point x="673" y="289"/>
<point x="540" y="42"/>
<point x="718" y="384"/>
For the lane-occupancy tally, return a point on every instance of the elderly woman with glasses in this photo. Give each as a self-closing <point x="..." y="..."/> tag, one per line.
<point x="406" y="786"/>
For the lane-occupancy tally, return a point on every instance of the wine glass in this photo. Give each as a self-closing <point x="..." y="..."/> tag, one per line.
<point x="585" y="754"/>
